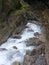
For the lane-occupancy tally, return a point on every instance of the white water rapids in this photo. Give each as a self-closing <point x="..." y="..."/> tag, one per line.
<point x="7" y="57"/>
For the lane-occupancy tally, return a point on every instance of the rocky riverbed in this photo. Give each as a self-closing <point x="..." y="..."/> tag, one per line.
<point x="25" y="48"/>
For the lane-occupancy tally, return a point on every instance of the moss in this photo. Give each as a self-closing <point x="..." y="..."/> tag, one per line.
<point x="24" y="8"/>
<point x="24" y="5"/>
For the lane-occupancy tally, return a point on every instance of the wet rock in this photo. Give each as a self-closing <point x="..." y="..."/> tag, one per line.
<point x="37" y="34"/>
<point x="34" y="41"/>
<point x="43" y="38"/>
<point x="41" y="60"/>
<point x="37" y="59"/>
<point x="14" y="47"/>
<point x="16" y="36"/>
<point x="21" y="64"/>
<point x="15" y="63"/>
<point x="31" y="30"/>
<point x="40" y="49"/>
<point x="31" y="53"/>
<point x="28" y="60"/>
<point x="3" y="49"/>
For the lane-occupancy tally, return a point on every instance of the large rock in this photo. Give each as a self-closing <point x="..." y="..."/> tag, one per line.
<point x="28" y="60"/>
<point x="37" y="59"/>
<point x="15" y="63"/>
<point x="39" y="50"/>
<point x="3" y="49"/>
<point x="16" y="36"/>
<point x="34" y="41"/>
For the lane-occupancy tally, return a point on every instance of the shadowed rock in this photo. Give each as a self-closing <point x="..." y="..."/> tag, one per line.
<point x="36" y="34"/>
<point x="34" y="41"/>
<point x="35" y="60"/>
<point x="15" y="63"/>
<point x="40" y="49"/>
<point x="16" y="36"/>
<point x="3" y="49"/>
<point x="14" y="47"/>
<point x="28" y="60"/>
<point x="41" y="60"/>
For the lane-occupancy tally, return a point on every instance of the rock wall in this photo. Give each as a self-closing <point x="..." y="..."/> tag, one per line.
<point x="14" y="17"/>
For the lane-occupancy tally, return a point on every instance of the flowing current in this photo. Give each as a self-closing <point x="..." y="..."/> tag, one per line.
<point x="7" y="57"/>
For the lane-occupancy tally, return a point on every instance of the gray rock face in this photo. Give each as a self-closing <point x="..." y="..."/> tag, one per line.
<point x="15" y="63"/>
<point x="35" y="60"/>
<point x="28" y="60"/>
<point x="41" y="60"/>
<point x="34" y="41"/>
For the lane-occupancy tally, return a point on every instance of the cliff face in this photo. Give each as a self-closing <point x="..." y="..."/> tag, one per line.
<point x="6" y="27"/>
<point x="16" y="12"/>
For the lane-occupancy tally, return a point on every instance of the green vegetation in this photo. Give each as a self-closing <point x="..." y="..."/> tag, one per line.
<point x="24" y="7"/>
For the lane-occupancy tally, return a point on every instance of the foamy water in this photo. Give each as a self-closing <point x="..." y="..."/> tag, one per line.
<point x="7" y="57"/>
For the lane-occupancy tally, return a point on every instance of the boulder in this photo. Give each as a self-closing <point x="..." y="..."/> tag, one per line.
<point x="37" y="59"/>
<point x="16" y="36"/>
<point x="14" y="47"/>
<point x="40" y="49"/>
<point x="3" y="49"/>
<point x="36" y="34"/>
<point x="34" y="41"/>
<point x="15" y="63"/>
<point x="41" y="60"/>
<point x="31" y="53"/>
<point x="28" y="60"/>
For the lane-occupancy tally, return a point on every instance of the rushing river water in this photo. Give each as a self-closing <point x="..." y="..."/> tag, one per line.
<point x="10" y="54"/>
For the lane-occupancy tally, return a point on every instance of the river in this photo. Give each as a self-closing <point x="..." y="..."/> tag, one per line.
<point x="15" y="49"/>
